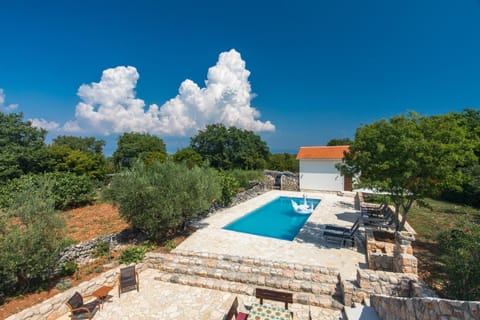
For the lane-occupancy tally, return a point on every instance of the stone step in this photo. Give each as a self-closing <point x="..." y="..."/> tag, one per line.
<point x="319" y="300"/>
<point x="250" y="261"/>
<point x="306" y="283"/>
<point x="279" y="275"/>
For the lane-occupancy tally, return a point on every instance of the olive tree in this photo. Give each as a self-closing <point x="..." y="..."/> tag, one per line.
<point x="162" y="197"/>
<point x="31" y="234"/>
<point x="409" y="157"/>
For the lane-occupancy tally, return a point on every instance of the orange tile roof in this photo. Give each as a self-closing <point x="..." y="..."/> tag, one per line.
<point x="334" y="152"/>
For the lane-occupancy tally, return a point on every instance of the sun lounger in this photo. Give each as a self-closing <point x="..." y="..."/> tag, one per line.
<point x="335" y="228"/>
<point x="343" y="238"/>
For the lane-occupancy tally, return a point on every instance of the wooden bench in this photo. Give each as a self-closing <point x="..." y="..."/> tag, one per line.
<point x="286" y="297"/>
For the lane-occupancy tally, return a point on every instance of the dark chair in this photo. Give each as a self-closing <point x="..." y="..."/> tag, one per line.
<point x="344" y="237"/>
<point x="128" y="280"/>
<point x="286" y="297"/>
<point x="234" y="312"/>
<point x="375" y="212"/>
<point x="334" y="228"/>
<point x="387" y="221"/>
<point x="79" y="309"/>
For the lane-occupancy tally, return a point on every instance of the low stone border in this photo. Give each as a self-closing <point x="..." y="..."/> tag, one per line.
<point x="396" y="308"/>
<point x="55" y="306"/>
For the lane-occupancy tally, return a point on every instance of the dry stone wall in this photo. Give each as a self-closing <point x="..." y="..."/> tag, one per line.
<point x="55" y="307"/>
<point x="397" y="308"/>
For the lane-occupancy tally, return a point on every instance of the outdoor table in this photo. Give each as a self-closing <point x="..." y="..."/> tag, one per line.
<point x="266" y="312"/>
<point x="102" y="294"/>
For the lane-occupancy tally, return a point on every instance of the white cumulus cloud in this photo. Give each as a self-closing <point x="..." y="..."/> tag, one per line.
<point x="4" y="107"/>
<point x="111" y="105"/>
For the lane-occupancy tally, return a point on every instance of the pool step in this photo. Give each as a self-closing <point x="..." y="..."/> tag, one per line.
<point x="318" y="300"/>
<point x="311" y="284"/>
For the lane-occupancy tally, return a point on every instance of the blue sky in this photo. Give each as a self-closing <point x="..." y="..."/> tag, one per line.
<point x="318" y="69"/>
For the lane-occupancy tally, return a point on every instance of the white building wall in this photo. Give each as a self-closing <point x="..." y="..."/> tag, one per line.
<point x="320" y="174"/>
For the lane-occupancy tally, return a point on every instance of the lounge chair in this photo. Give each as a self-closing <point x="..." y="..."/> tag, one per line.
<point x="344" y="237"/>
<point x="388" y="221"/>
<point x="376" y="212"/>
<point x="79" y="309"/>
<point x="128" y="280"/>
<point x="234" y="312"/>
<point x="335" y="228"/>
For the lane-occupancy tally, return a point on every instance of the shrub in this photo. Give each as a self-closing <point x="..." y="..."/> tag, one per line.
<point x="30" y="239"/>
<point x="461" y="255"/>
<point x="132" y="254"/>
<point x="69" y="268"/>
<point x="64" y="284"/>
<point x="163" y="196"/>
<point x="67" y="189"/>
<point x="229" y="187"/>
<point x="246" y="177"/>
<point x="101" y="249"/>
<point x="170" y="245"/>
<point x="99" y="269"/>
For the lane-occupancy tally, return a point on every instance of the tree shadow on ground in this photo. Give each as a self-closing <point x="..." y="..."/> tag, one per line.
<point x="312" y="233"/>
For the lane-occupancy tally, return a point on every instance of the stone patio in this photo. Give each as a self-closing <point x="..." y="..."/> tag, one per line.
<point x="163" y="300"/>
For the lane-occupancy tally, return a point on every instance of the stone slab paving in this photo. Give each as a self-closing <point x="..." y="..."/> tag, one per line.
<point x="307" y="248"/>
<point x="161" y="300"/>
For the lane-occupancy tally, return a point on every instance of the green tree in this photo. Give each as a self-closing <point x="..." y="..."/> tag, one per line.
<point x="66" y="189"/>
<point x="84" y="144"/>
<point x="134" y="145"/>
<point x="470" y="192"/>
<point x="164" y="196"/>
<point x="230" y="148"/>
<point x="22" y="147"/>
<point x="461" y="255"/>
<point x="283" y="162"/>
<point x="410" y="157"/>
<point x="65" y="159"/>
<point x="340" y="142"/>
<point x="188" y="156"/>
<point x="31" y="233"/>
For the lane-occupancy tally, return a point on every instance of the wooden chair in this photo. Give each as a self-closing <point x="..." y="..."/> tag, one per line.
<point x="286" y="297"/>
<point x="80" y="309"/>
<point x="234" y="312"/>
<point x="128" y="279"/>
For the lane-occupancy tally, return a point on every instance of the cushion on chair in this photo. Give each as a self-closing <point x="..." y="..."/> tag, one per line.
<point x="76" y="301"/>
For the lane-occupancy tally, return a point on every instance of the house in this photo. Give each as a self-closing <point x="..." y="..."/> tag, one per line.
<point x="318" y="171"/>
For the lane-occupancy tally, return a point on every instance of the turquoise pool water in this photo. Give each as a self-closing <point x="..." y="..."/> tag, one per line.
<point x="276" y="219"/>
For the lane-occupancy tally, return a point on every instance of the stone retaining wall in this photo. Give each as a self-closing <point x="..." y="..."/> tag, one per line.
<point x="55" y="307"/>
<point x="83" y="251"/>
<point x="397" y="308"/>
<point x="371" y="282"/>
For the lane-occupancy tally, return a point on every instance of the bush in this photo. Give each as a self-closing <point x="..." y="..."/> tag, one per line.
<point x="64" y="284"/>
<point x="230" y="188"/>
<point x="102" y="249"/>
<point x="164" y="196"/>
<point x="30" y="239"/>
<point x="170" y="245"/>
<point x="69" y="268"/>
<point x="67" y="189"/>
<point x="133" y="254"/>
<point x="461" y="255"/>
<point x="246" y="177"/>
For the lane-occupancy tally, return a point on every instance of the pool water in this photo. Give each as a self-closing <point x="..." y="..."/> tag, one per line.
<point x="276" y="219"/>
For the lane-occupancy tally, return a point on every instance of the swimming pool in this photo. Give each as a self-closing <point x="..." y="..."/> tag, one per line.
<point x="276" y="219"/>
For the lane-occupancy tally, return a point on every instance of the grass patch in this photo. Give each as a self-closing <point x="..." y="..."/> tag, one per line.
<point x="429" y="223"/>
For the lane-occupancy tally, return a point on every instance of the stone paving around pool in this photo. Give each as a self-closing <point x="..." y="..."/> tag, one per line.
<point x="213" y="266"/>
<point x="308" y="247"/>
